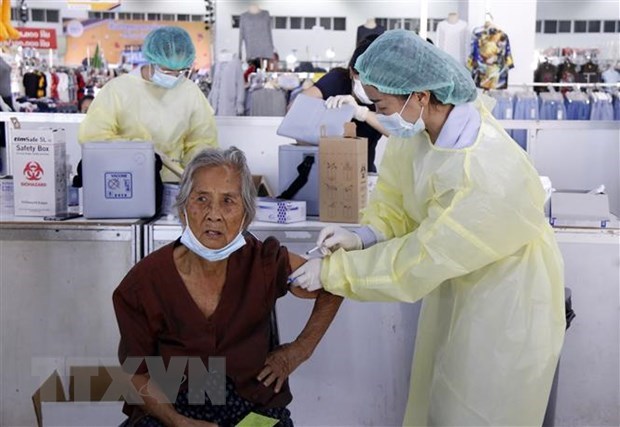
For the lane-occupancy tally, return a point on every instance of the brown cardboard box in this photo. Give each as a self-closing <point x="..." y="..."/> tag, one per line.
<point x="87" y="403"/>
<point x="343" y="177"/>
<point x="262" y="188"/>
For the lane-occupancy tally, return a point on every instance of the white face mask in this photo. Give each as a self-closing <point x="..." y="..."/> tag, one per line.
<point x="164" y="80"/>
<point x="192" y="243"/>
<point x="394" y="124"/>
<point x="360" y="93"/>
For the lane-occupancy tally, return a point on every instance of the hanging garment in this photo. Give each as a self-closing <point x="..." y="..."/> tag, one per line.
<point x="453" y="38"/>
<point x="526" y="108"/>
<point x="567" y="72"/>
<point x="552" y="106"/>
<point x="490" y="58"/>
<point x="5" y="79"/>
<point x="255" y="32"/>
<point x="590" y="73"/>
<point x="467" y="233"/>
<point x="54" y="90"/>
<point x="227" y="90"/>
<point x="363" y="32"/>
<point x="577" y="106"/>
<point x="35" y="84"/>
<point x="268" y="102"/>
<point x="503" y="104"/>
<point x="602" y="106"/>
<point x="545" y="73"/>
<point x="610" y="75"/>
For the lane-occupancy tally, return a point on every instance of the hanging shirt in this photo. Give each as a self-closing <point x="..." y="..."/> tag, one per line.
<point x="611" y="76"/>
<point x="545" y="73"/>
<point x="453" y="38"/>
<point x="490" y="58"/>
<point x="590" y="73"/>
<point x="227" y="91"/>
<point x="35" y="84"/>
<point x="5" y="79"/>
<point x="567" y="72"/>
<point x="255" y="31"/>
<point x="363" y="32"/>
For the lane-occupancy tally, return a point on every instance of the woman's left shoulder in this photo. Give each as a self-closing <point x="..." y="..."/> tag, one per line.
<point x="267" y="249"/>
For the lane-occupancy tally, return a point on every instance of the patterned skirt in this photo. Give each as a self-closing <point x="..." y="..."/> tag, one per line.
<point x="228" y="415"/>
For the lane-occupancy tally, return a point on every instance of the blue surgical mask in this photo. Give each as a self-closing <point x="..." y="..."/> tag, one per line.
<point x="193" y="244"/>
<point x="164" y="80"/>
<point x="360" y="93"/>
<point x="394" y="124"/>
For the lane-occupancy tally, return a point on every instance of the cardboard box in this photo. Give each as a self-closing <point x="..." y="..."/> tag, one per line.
<point x="262" y="188"/>
<point x="39" y="171"/>
<point x="343" y="177"/>
<point x="572" y="208"/>
<point x="270" y="209"/>
<point x="85" y="406"/>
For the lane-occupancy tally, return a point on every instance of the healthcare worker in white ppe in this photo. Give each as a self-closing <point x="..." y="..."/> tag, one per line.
<point x="456" y="219"/>
<point x="156" y="103"/>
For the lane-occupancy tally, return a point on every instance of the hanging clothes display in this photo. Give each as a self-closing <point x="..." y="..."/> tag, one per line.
<point x="368" y="28"/>
<point x="567" y="72"/>
<point x="35" y="84"/>
<point x="577" y="105"/>
<point x="490" y="58"/>
<point x="590" y="73"/>
<point x="264" y="97"/>
<point x="546" y="72"/>
<point x="228" y="88"/>
<point x="255" y="32"/>
<point x="5" y="81"/>
<point x="525" y="108"/>
<point x="453" y="37"/>
<point x="552" y="106"/>
<point x="503" y="104"/>
<point x="602" y="106"/>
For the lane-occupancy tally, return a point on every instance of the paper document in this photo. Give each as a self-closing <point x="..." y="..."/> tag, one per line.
<point x="308" y="116"/>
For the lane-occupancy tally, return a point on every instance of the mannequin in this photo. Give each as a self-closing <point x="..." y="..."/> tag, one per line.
<point x="368" y="28"/>
<point x="370" y="23"/>
<point x="453" y="37"/>
<point x="254" y="8"/>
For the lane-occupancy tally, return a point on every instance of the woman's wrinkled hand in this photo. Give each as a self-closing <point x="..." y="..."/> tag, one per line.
<point x="281" y="363"/>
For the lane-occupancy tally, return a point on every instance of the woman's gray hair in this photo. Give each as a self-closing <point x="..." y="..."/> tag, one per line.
<point x="213" y="157"/>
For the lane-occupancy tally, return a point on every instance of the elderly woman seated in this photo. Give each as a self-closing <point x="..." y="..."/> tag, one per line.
<point x="210" y="294"/>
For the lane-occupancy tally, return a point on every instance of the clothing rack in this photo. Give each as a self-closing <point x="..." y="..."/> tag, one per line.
<point x="575" y="85"/>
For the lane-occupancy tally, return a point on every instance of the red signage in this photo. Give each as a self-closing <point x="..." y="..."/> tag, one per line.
<point x="37" y="38"/>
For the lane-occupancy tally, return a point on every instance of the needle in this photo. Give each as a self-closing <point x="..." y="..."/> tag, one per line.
<point x="314" y="249"/>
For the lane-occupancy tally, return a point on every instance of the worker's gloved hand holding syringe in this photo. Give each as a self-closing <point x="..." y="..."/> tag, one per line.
<point x="330" y="238"/>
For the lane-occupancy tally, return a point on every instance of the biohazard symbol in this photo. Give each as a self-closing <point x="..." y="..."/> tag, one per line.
<point x="33" y="171"/>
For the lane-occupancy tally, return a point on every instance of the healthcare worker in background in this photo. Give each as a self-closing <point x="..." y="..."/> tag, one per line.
<point x="157" y="103"/>
<point x="457" y="219"/>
